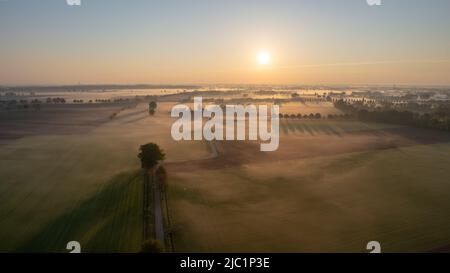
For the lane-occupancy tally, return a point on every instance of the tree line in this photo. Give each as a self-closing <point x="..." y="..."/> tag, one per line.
<point x="438" y="118"/>
<point x="313" y="116"/>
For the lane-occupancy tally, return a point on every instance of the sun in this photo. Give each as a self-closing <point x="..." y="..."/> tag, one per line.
<point x="263" y="58"/>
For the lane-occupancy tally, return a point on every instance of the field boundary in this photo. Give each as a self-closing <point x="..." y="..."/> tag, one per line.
<point x="169" y="233"/>
<point x="159" y="221"/>
<point x="146" y="206"/>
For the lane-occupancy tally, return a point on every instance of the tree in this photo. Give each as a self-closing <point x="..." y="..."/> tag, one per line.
<point x="152" y="107"/>
<point x="149" y="155"/>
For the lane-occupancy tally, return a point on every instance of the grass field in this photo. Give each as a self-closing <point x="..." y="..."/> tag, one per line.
<point x="328" y="127"/>
<point x="324" y="108"/>
<point x="108" y="221"/>
<point x="325" y="192"/>
<point x="332" y="186"/>
<point x="64" y="185"/>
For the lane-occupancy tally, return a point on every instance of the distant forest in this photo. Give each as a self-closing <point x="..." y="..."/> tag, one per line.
<point x="82" y="87"/>
<point x="438" y="118"/>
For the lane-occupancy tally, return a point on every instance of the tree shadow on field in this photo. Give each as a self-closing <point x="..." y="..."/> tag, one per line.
<point x="132" y="114"/>
<point x="137" y="119"/>
<point x="311" y="128"/>
<point x="109" y="221"/>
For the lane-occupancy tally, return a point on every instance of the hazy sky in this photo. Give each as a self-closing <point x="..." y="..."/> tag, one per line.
<point x="217" y="41"/>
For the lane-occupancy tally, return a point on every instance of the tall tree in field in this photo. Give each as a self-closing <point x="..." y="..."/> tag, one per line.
<point x="152" y="246"/>
<point x="149" y="155"/>
<point x="152" y="107"/>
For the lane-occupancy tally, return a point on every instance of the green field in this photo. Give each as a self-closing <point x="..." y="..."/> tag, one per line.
<point x="327" y="127"/>
<point x="332" y="186"/>
<point x="108" y="221"/>
<point x="62" y="187"/>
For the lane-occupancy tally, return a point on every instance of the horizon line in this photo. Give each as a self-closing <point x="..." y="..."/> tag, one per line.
<point x="198" y="85"/>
